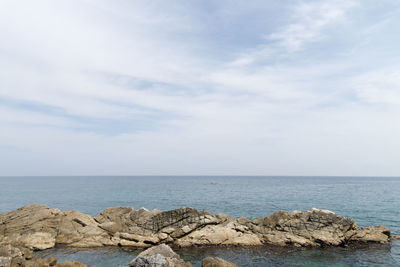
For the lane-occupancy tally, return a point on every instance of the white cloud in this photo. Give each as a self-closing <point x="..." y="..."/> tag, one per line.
<point x="309" y="19"/>
<point x="262" y="110"/>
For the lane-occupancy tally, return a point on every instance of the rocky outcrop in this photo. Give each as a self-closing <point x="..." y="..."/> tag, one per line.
<point x="159" y="256"/>
<point x="11" y="256"/>
<point x="312" y="228"/>
<point x="377" y="234"/>
<point x="217" y="262"/>
<point x="37" y="227"/>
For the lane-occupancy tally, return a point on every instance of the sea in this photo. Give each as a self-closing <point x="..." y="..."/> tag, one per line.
<point x="367" y="200"/>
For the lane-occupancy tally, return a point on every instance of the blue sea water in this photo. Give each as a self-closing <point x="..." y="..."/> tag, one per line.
<point x="368" y="200"/>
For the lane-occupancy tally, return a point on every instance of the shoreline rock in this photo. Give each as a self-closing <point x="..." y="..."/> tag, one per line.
<point x="37" y="227"/>
<point x="216" y="262"/>
<point x="159" y="256"/>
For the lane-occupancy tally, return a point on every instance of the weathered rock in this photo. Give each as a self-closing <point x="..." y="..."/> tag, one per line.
<point x="312" y="228"/>
<point x="80" y="230"/>
<point x="5" y="261"/>
<point x="159" y="256"/>
<point x="217" y="262"/>
<point x="14" y="256"/>
<point x="377" y="234"/>
<point x="38" y="227"/>
<point x="231" y="233"/>
<point x="34" y="226"/>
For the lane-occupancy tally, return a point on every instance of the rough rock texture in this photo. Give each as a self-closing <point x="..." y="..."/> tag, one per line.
<point x="11" y="256"/>
<point x="159" y="256"/>
<point x="379" y="234"/>
<point x="80" y="230"/>
<point x="217" y="262"/>
<point x="227" y="233"/>
<point x="312" y="228"/>
<point x="37" y="227"/>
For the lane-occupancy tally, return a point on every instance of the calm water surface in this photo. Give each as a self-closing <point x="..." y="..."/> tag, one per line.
<point x="368" y="200"/>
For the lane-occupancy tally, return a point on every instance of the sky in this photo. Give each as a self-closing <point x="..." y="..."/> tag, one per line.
<point x="214" y="87"/>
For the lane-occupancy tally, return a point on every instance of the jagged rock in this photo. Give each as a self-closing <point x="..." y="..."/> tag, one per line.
<point x="159" y="256"/>
<point x="38" y="227"/>
<point x="312" y="228"/>
<point x="14" y="256"/>
<point x="80" y="230"/>
<point x="231" y="233"/>
<point x="217" y="262"/>
<point x="34" y="226"/>
<point x="379" y="234"/>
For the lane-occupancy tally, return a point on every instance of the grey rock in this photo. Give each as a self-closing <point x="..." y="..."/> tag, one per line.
<point x="156" y="260"/>
<point x="158" y="256"/>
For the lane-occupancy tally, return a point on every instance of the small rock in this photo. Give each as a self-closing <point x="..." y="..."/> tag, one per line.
<point x="217" y="262"/>
<point x="159" y="256"/>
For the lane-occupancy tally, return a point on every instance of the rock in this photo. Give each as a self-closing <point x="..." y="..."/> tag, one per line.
<point x="217" y="262"/>
<point x="149" y="261"/>
<point x="312" y="228"/>
<point x="34" y="226"/>
<point x="158" y="256"/>
<point x="116" y="219"/>
<point x="52" y="261"/>
<point x="377" y="234"/>
<point x="37" y="227"/>
<point x="5" y="261"/>
<point x="81" y="230"/>
<point x="231" y="233"/>
<point x="38" y="240"/>
<point x="12" y="256"/>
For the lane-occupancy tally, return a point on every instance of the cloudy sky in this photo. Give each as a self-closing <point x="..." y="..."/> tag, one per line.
<point x="217" y="87"/>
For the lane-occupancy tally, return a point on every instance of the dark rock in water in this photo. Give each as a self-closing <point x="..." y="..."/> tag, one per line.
<point x="217" y="262"/>
<point x="159" y="256"/>
<point x="37" y="227"/>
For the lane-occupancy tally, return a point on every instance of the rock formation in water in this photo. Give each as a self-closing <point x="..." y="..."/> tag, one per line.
<point x="160" y="256"/>
<point x="37" y="227"/>
<point x="216" y="262"/>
